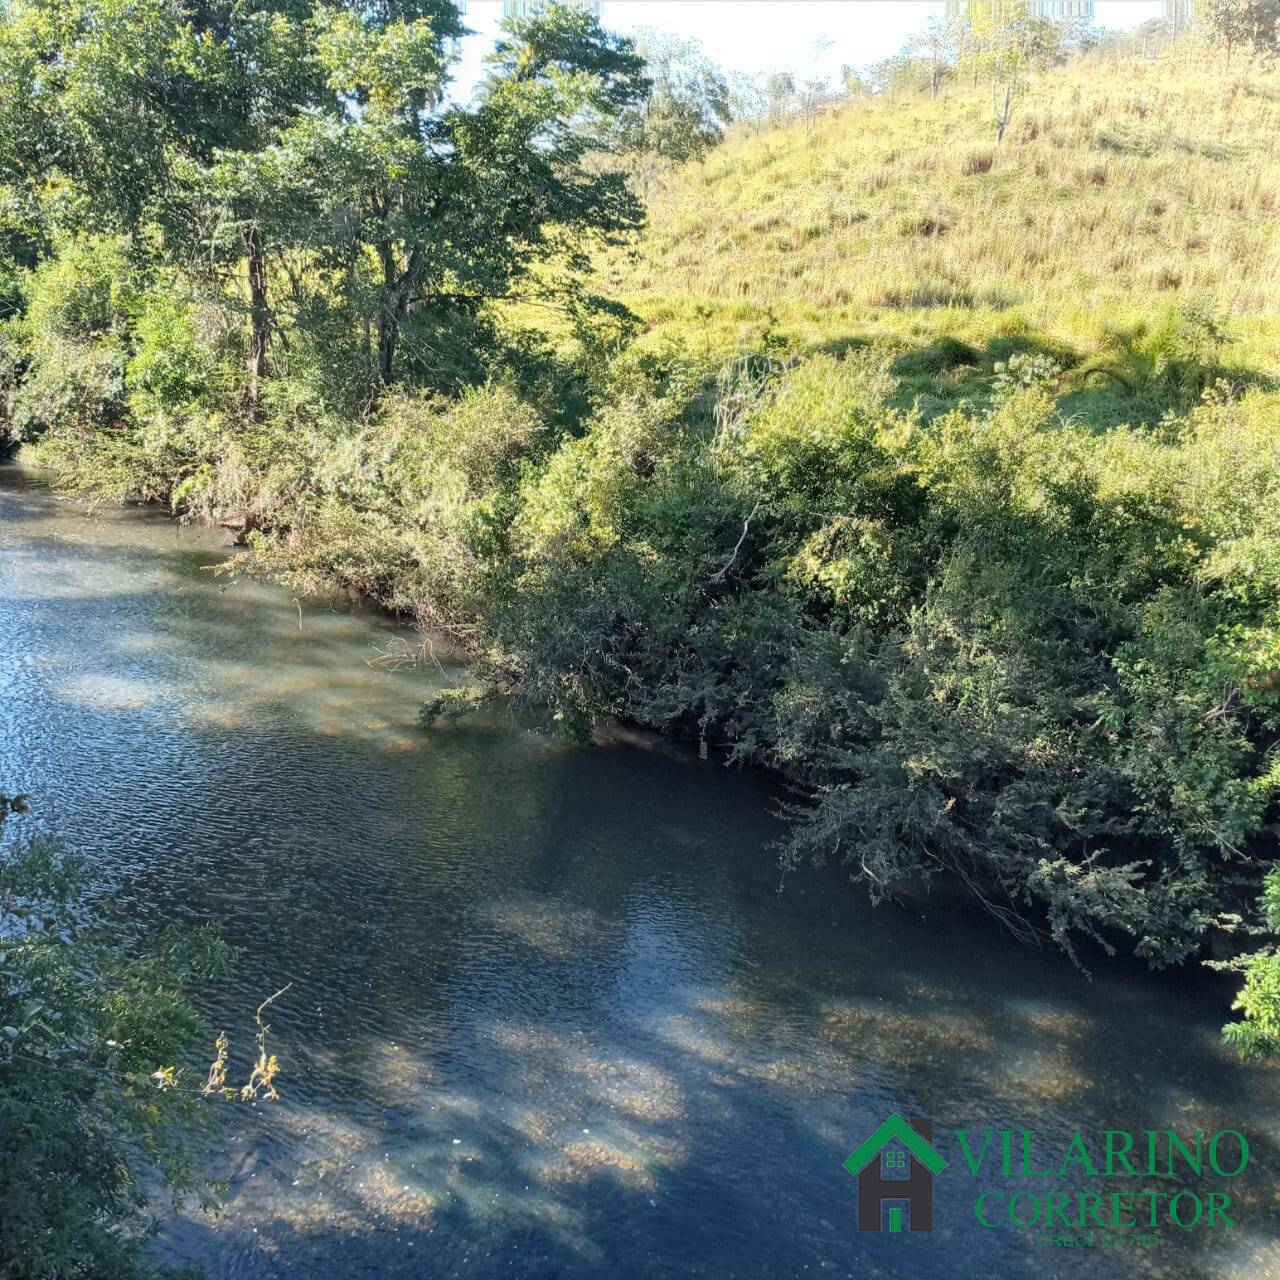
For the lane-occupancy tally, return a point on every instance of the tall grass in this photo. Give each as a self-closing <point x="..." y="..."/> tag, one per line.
<point x="1121" y="190"/>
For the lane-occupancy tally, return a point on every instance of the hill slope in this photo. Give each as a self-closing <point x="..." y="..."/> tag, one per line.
<point x="1121" y="190"/>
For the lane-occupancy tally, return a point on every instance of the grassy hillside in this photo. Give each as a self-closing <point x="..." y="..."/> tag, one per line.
<point x="1121" y="191"/>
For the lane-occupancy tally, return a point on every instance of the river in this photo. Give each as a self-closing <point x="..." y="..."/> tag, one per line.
<point x="552" y="1013"/>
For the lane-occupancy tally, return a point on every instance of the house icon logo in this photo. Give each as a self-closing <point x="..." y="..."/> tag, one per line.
<point x="894" y="1169"/>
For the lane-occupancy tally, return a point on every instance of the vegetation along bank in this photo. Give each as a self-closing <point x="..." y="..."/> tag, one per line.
<point x="933" y="468"/>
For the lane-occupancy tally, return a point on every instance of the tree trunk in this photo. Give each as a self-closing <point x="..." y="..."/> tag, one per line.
<point x="1002" y="116"/>
<point x="388" y="331"/>
<point x="399" y="290"/>
<point x="259" y="315"/>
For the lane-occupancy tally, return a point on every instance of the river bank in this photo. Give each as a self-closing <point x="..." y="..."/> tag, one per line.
<point x="499" y="940"/>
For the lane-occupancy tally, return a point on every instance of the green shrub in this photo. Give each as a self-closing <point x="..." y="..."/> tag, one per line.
<point x="95" y="1116"/>
<point x="73" y="341"/>
<point x="994" y="646"/>
<point x="412" y="507"/>
<point x="1257" y="1033"/>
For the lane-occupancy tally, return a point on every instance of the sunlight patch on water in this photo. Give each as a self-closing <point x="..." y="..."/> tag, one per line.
<point x="803" y="1074"/>
<point x="547" y="928"/>
<point x="137" y="643"/>
<point x="588" y="1159"/>
<point x="1252" y="1255"/>
<point x="347" y="702"/>
<point x="401" y="1071"/>
<point x="889" y="1034"/>
<point x="109" y="693"/>
<point x="589" y="1084"/>
<point x="80" y="584"/>
<point x="690" y="1035"/>
<point x="1039" y="1076"/>
<point x="1052" y="1022"/>
<point x="728" y="1006"/>
<point x="637" y="1089"/>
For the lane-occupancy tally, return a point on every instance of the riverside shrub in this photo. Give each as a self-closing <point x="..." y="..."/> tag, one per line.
<point x="998" y="647"/>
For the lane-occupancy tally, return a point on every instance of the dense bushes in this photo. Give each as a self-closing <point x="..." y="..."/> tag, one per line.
<point x="413" y="508"/>
<point x="995" y="644"/>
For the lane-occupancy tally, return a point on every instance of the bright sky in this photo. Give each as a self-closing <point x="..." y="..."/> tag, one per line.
<point x="805" y="37"/>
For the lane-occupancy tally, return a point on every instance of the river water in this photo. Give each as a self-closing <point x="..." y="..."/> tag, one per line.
<point x="551" y="1014"/>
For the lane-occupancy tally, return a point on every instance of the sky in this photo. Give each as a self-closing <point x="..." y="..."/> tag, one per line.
<point x="806" y="37"/>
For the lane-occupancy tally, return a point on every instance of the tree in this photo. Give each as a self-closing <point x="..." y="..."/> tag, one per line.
<point x="1008" y="81"/>
<point x="747" y="98"/>
<point x="814" y="94"/>
<point x="305" y="148"/>
<point x="1008" y="49"/>
<point x="360" y="188"/>
<point x="271" y="77"/>
<point x="780" y="91"/>
<point x="686" y="108"/>
<point x="854" y="83"/>
<point x="132" y="100"/>
<point x="903" y="73"/>
<point x="459" y="206"/>
<point x="938" y="48"/>
<point x="402" y="211"/>
<point x="1231" y="24"/>
<point x="1152" y="35"/>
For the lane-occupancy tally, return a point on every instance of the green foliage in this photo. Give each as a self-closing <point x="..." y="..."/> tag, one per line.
<point x="1254" y="24"/>
<point x="995" y="647"/>
<point x="686" y="108"/>
<point x="87" y="1129"/>
<point x="455" y="702"/>
<point x="174" y="363"/>
<point x="1257" y="1034"/>
<point x="295" y="194"/>
<point x="416" y="508"/>
<point x="1180" y="354"/>
<point x="72" y="339"/>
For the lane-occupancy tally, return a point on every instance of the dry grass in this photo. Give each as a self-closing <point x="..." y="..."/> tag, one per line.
<point x="1120" y="190"/>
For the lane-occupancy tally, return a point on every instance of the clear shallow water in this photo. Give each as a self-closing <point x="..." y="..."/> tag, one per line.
<point x="550" y="1016"/>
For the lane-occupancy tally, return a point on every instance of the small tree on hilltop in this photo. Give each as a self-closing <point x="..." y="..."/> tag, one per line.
<point x="855" y="84"/>
<point x="1010" y="50"/>
<point x="746" y="97"/>
<point x="938" y="48"/>
<point x="1230" y="24"/>
<point x="687" y="106"/>
<point x="780" y="90"/>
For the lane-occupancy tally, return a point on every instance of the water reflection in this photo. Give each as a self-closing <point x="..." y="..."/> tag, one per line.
<point x="550" y="1016"/>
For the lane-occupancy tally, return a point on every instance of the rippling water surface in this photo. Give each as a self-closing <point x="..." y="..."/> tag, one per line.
<point x="550" y="1015"/>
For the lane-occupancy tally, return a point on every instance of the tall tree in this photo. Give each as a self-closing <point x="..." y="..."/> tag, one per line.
<point x="423" y="211"/>
<point x="120" y="104"/>
<point x="269" y="77"/>
<point x="938" y="48"/>
<point x="780" y="90"/>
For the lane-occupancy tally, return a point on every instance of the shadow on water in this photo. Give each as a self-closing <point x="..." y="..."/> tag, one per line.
<point x="550" y="1015"/>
